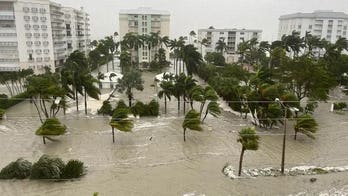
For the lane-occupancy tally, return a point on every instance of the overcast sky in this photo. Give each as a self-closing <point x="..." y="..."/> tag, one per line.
<point x="187" y="15"/>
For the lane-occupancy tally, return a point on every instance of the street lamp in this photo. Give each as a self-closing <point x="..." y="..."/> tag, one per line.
<point x="284" y="134"/>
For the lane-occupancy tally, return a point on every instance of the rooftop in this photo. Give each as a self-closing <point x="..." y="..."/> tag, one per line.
<point x="144" y="10"/>
<point x="317" y="14"/>
<point x="226" y="30"/>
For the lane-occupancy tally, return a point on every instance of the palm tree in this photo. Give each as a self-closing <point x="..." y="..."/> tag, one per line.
<point x="192" y="122"/>
<point x="120" y="121"/>
<point x="130" y="80"/>
<point x="166" y="92"/>
<point x="203" y="42"/>
<point x="192" y="36"/>
<point x="213" y="108"/>
<point x="90" y="89"/>
<point x="221" y="46"/>
<point x="192" y="59"/>
<point x="307" y="125"/>
<point x="249" y="141"/>
<point x="293" y="43"/>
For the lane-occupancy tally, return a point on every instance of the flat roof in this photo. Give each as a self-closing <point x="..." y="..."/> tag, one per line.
<point x="144" y="10"/>
<point x="316" y="14"/>
<point x="226" y="30"/>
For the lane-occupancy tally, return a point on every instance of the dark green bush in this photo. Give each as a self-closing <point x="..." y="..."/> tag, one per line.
<point x="73" y="169"/>
<point x="340" y="105"/>
<point x="2" y="112"/>
<point x="141" y="109"/>
<point x="47" y="168"/>
<point x="106" y="109"/>
<point x="51" y="126"/>
<point x="153" y="108"/>
<point x="6" y="102"/>
<point x="18" y="169"/>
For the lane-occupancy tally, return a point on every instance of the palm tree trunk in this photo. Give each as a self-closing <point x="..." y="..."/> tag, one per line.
<point x="85" y="102"/>
<point x="184" y="134"/>
<point x="113" y="65"/>
<point x="43" y="139"/>
<point x="295" y="136"/>
<point x="241" y="161"/>
<point x="129" y="101"/>
<point x="184" y="104"/>
<point x="205" y="116"/>
<point x="113" y="135"/>
<point x="165" y="104"/>
<point x="77" y="100"/>
<point x="178" y="103"/>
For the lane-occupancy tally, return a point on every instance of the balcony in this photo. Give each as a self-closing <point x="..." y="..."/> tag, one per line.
<point x="7" y="17"/>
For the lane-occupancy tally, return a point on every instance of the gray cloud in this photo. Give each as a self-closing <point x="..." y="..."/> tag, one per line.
<point x="187" y="15"/>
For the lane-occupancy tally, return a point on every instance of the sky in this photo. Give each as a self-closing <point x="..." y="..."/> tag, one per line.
<point x="187" y="15"/>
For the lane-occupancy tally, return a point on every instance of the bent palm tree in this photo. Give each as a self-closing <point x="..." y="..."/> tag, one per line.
<point x="307" y="125"/>
<point x="213" y="109"/>
<point x="166" y="92"/>
<point x="192" y="122"/>
<point x="249" y="141"/>
<point x="120" y="121"/>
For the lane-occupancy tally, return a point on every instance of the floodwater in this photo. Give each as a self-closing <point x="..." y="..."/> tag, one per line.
<point x="154" y="159"/>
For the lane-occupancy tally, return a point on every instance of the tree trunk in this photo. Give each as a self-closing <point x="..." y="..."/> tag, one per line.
<point x="295" y="137"/>
<point x="241" y="161"/>
<point x="43" y="139"/>
<point x="178" y="103"/>
<point x="85" y="102"/>
<point x="113" y="135"/>
<point x="165" y="104"/>
<point x="184" y="134"/>
<point x="184" y="105"/>
<point x="205" y="116"/>
<point x="113" y="65"/>
<point x="77" y="100"/>
<point x="130" y="101"/>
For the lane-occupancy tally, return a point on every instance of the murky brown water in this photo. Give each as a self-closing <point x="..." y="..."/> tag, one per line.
<point x="165" y="165"/>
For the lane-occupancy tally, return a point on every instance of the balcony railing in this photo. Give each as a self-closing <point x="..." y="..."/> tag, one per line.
<point x="7" y="17"/>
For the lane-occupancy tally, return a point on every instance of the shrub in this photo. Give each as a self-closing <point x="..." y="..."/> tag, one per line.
<point x="51" y="126"/>
<point x="47" y="168"/>
<point x="73" y="169"/>
<point x="106" y="109"/>
<point x="139" y="108"/>
<point x="18" y="169"/>
<point x="6" y="102"/>
<point x="340" y="106"/>
<point x="2" y="112"/>
<point x="153" y="108"/>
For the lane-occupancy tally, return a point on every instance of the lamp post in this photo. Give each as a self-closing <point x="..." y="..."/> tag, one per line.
<point x="284" y="135"/>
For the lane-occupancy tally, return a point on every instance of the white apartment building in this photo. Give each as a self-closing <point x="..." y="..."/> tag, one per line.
<point x="33" y="35"/>
<point x="232" y="38"/>
<point x="143" y="21"/>
<point x="327" y="25"/>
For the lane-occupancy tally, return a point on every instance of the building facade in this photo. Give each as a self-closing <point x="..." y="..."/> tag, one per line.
<point x="143" y="21"/>
<point x="232" y="38"/>
<point x="327" y="25"/>
<point x="33" y="34"/>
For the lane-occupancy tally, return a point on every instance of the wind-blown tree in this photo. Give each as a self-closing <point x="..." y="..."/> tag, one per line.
<point x="14" y="81"/>
<point x="46" y="94"/>
<point x="192" y="36"/>
<point x="213" y="109"/>
<point x="166" y="92"/>
<point x="306" y="125"/>
<point x="215" y="58"/>
<point x="293" y="43"/>
<point x="121" y="121"/>
<point x="192" y="59"/>
<point x="130" y="80"/>
<point x="191" y="122"/>
<point x="250" y="141"/>
<point x="90" y="89"/>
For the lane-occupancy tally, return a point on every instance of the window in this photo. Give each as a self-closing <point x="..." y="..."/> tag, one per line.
<point x="299" y="26"/>
<point x="68" y="33"/>
<point x="34" y="10"/>
<point x="46" y="51"/>
<point x="35" y="18"/>
<point x="345" y="27"/>
<point x="29" y="43"/>
<point x="47" y="59"/>
<point x="37" y="43"/>
<point x="27" y="26"/>
<point x="30" y="57"/>
<point x="36" y="27"/>
<point x="36" y="35"/>
<point x="30" y="51"/>
<point x="344" y="33"/>
<point x="45" y="35"/>
<point x="43" y="18"/>
<point x="38" y="51"/>
<point x="39" y="59"/>
<point x="221" y="33"/>
<point x="42" y="10"/>
<point x="310" y="26"/>
<point x="329" y="31"/>
<point x="26" y="9"/>
<point x="44" y="27"/>
<point x="69" y="46"/>
<point x="28" y="35"/>
<point x="45" y="43"/>
<point x="68" y="26"/>
<point x="27" y="18"/>
<point x="242" y="33"/>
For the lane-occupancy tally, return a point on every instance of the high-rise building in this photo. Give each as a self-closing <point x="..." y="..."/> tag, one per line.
<point x="327" y="25"/>
<point x="143" y="21"/>
<point x="34" y="34"/>
<point x="232" y="38"/>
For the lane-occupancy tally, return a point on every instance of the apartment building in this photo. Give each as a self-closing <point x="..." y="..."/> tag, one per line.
<point x="33" y="34"/>
<point x="327" y="25"/>
<point x="143" y="21"/>
<point x="232" y="38"/>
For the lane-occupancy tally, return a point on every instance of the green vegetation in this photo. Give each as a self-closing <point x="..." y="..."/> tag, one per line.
<point x="47" y="168"/>
<point x="18" y="169"/>
<point x="73" y="169"/>
<point x="2" y="113"/>
<point x="191" y="122"/>
<point x="249" y="141"/>
<point x="340" y="105"/>
<point x="306" y="125"/>
<point x="120" y="120"/>
<point x="51" y="127"/>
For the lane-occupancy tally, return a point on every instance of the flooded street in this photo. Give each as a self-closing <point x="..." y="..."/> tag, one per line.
<point x="154" y="159"/>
